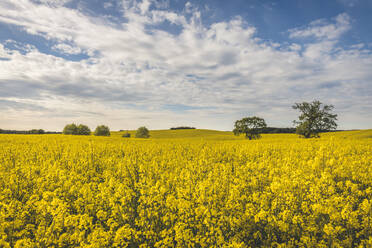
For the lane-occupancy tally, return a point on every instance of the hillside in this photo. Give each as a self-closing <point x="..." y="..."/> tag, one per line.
<point x="186" y="134"/>
<point x="228" y="135"/>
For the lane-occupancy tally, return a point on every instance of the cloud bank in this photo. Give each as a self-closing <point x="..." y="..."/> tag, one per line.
<point x="159" y="67"/>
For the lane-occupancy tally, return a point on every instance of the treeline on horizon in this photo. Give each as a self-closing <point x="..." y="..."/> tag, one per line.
<point x="266" y="130"/>
<point x="183" y="127"/>
<point x="262" y="130"/>
<point x="32" y="131"/>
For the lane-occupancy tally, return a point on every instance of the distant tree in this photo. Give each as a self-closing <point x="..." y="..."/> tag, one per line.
<point x="33" y="131"/>
<point x="126" y="135"/>
<point x="250" y="126"/>
<point x="183" y="127"/>
<point x="314" y="118"/>
<point x="83" y="130"/>
<point x="102" y="130"/>
<point x="278" y="130"/>
<point x="70" y="129"/>
<point x="142" y="132"/>
<point x="36" y="131"/>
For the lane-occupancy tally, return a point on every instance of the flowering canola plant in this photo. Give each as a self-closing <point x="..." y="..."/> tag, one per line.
<point x="280" y="191"/>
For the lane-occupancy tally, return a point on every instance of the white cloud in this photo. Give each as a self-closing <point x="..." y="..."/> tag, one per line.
<point x="4" y="53"/>
<point x="67" y="49"/>
<point x="221" y="71"/>
<point x="53" y="3"/>
<point x="322" y="29"/>
<point x="189" y="7"/>
<point x="144" y="6"/>
<point x="295" y="47"/>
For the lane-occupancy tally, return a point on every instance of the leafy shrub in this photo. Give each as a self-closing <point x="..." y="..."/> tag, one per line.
<point x="102" y="130"/>
<point x="142" y="132"/>
<point x="76" y="130"/>
<point x="83" y="130"/>
<point x="126" y="135"/>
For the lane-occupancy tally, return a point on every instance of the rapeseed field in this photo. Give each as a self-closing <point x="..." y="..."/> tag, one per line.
<point x="186" y="188"/>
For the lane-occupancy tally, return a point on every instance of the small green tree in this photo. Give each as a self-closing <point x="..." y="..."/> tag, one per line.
<point x="250" y="126"/>
<point x="142" y="132"/>
<point x="70" y="129"/>
<point x="314" y="118"/>
<point x="102" y="130"/>
<point x="83" y="130"/>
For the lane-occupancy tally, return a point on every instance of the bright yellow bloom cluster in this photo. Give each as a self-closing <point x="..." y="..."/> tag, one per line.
<point x="280" y="191"/>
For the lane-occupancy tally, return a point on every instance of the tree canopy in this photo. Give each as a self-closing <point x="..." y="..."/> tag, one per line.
<point x="70" y="129"/>
<point x="76" y="130"/>
<point x="102" y="130"/>
<point x="315" y="117"/>
<point x="250" y="126"/>
<point x="83" y="130"/>
<point x="142" y="132"/>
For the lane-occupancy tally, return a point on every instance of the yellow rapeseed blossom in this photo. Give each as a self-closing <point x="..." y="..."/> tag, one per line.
<point x="189" y="190"/>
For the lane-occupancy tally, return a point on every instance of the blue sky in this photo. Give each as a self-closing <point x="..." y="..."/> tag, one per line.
<point x="159" y="63"/>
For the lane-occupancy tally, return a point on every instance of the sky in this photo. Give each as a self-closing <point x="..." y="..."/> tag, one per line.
<point x="168" y="63"/>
